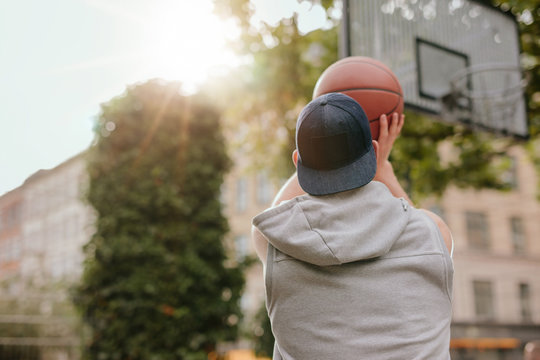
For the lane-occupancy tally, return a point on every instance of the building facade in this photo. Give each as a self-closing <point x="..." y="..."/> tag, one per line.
<point x="10" y="234"/>
<point x="497" y="263"/>
<point x="56" y="222"/>
<point x="43" y="225"/>
<point x="245" y="195"/>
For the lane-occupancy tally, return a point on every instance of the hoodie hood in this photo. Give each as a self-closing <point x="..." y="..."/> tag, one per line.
<point x="335" y="229"/>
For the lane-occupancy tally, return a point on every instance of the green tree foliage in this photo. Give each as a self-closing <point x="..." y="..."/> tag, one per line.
<point x="261" y="333"/>
<point x="157" y="283"/>
<point x="528" y="13"/>
<point x="287" y="63"/>
<point x="285" y="67"/>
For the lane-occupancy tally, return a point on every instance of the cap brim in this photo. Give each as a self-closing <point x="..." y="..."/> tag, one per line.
<point x="352" y="176"/>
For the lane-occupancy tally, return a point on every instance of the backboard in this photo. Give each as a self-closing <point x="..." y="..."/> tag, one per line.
<point x="457" y="59"/>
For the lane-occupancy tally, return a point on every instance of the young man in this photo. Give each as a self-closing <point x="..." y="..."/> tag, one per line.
<point x="352" y="269"/>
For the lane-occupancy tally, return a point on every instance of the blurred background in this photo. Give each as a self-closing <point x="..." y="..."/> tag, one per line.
<point x="139" y="138"/>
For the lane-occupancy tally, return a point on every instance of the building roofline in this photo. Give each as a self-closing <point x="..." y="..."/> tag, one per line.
<point x="41" y="173"/>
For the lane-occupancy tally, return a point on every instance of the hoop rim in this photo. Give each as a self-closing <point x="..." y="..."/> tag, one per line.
<point x="459" y="82"/>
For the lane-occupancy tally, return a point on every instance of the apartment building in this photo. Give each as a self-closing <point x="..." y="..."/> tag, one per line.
<point x="43" y="226"/>
<point x="10" y="234"/>
<point x="497" y="265"/>
<point x="45" y="222"/>
<point x="244" y="195"/>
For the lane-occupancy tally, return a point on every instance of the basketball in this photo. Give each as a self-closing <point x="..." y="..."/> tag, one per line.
<point x="371" y="83"/>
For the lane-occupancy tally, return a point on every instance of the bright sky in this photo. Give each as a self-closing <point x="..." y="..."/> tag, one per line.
<point x="59" y="59"/>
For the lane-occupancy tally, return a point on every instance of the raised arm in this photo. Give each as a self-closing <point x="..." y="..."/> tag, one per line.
<point x="388" y="133"/>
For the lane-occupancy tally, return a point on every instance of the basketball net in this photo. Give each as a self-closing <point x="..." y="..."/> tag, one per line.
<point x="486" y="97"/>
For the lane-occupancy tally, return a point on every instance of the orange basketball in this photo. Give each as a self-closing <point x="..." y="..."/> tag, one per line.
<point x="371" y="83"/>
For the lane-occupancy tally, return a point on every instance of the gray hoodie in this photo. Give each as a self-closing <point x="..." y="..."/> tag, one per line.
<point x="356" y="275"/>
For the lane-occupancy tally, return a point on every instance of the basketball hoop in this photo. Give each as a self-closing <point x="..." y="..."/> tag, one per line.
<point x="456" y="64"/>
<point x="486" y="96"/>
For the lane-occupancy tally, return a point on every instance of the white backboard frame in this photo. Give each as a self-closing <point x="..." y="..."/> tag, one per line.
<point x="404" y="33"/>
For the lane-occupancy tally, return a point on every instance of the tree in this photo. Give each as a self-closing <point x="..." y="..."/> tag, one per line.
<point x="157" y="283"/>
<point x="261" y="333"/>
<point x="286" y="64"/>
<point x="528" y="13"/>
<point x="272" y="91"/>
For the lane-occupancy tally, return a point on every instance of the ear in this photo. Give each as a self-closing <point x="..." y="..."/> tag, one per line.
<point x="295" y="157"/>
<point x="376" y="148"/>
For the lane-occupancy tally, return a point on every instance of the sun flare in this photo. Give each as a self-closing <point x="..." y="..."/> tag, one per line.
<point x="185" y="41"/>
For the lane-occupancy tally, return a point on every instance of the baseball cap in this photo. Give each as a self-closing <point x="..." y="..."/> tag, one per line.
<point x="334" y="146"/>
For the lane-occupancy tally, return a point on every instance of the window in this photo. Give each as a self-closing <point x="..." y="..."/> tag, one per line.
<point x="17" y="251"/>
<point x="483" y="300"/>
<point x="4" y="254"/>
<point x="245" y="302"/>
<point x="477" y="231"/>
<point x="241" y="194"/>
<point x="264" y="189"/>
<point x="11" y="216"/>
<point x="10" y="250"/>
<point x="241" y="246"/>
<point x="510" y="176"/>
<point x="518" y="235"/>
<point x="525" y="302"/>
<point x="55" y="264"/>
<point x="223" y="194"/>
